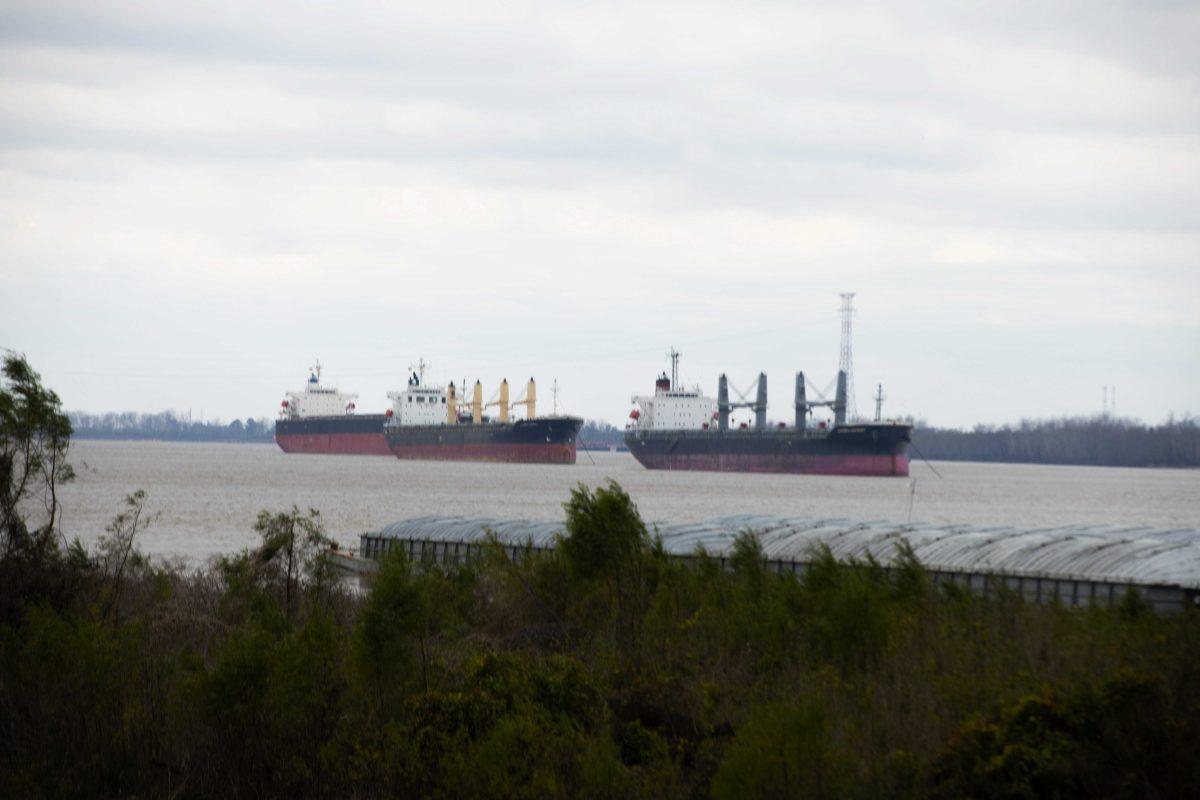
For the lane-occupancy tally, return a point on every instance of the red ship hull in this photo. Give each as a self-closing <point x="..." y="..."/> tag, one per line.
<point x="858" y="465"/>
<point x="501" y="453"/>
<point x="867" y="449"/>
<point x="357" y="444"/>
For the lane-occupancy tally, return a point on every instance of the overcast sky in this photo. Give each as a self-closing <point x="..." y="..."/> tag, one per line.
<point x="199" y="199"/>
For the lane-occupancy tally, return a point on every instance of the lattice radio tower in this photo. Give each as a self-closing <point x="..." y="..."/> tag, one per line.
<point x="846" y="358"/>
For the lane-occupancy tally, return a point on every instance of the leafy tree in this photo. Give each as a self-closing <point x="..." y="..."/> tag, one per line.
<point x="34" y="437"/>
<point x="392" y="619"/>
<point x="1102" y="741"/>
<point x="604" y="531"/>
<point x="785" y="750"/>
<point x="294" y="542"/>
<point x="118" y="550"/>
<point x="607" y="543"/>
<point x="850" y="609"/>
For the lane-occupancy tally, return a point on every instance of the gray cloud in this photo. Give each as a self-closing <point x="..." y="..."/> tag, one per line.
<point x="362" y="182"/>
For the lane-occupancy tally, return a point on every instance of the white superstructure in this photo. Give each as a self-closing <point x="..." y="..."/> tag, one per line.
<point x="317" y="400"/>
<point x="419" y="404"/>
<point x="670" y="408"/>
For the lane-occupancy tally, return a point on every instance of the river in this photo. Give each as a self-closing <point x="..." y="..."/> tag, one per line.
<point x="205" y="497"/>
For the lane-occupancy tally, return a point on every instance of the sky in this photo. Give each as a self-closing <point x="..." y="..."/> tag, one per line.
<point x="198" y="200"/>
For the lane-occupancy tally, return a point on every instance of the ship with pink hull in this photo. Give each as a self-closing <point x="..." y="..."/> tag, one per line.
<point x="677" y="428"/>
<point x="426" y="422"/>
<point x="320" y="419"/>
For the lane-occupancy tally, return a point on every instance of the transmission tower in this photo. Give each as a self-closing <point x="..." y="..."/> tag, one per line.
<point x="846" y="359"/>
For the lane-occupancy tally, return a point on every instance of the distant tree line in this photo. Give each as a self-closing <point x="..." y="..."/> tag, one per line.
<point x="600" y="435"/>
<point x="1092" y="441"/>
<point x="168" y="426"/>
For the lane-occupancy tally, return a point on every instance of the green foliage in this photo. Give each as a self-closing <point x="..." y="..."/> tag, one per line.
<point x="73" y="697"/>
<point x="271" y="705"/>
<point x="1109" y="740"/>
<point x="292" y="544"/>
<point x="850" y="608"/>
<point x="390" y="625"/>
<point x="118" y="551"/>
<point x="540" y="731"/>
<point x="749" y="567"/>
<point x="602" y="669"/>
<point x="639" y="745"/>
<point x="607" y="545"/>
<point x="785" y="750"/>
<point x="1134" y="606"/>
<point x="605" y="534"/>
<point x="34" y="437"/>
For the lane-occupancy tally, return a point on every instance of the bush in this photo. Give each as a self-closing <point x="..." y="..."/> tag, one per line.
<point x="785" y="750"/>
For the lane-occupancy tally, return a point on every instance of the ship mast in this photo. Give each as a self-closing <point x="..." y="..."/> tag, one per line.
<point x="419" y="368"/>
<point x="673" y="354"/>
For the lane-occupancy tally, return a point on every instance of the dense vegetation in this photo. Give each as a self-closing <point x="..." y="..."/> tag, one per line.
<point x="168" y="426"/>
<point x="1103" y="441"/>
<point x="600" y="669"/>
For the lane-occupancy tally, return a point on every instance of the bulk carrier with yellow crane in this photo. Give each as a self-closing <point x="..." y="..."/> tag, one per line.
<point x="427" y="422"/>
<point x="430" y="422"/>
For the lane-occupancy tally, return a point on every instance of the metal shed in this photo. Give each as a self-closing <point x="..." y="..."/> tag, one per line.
<point x="1079" y="565"/>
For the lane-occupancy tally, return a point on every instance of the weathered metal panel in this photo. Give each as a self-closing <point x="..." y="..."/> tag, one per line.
<point x="1079" y="565"/>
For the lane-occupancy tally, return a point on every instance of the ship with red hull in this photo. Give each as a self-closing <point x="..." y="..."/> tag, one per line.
<point x="546" y="440"/>
<point x="683" y="429"/>
<point x="432" y="423"/>
<point x="320" y="419"/>
<point x="866" y="449"/>
<point x="425" y="422"/>
<point x="360" y="435"/>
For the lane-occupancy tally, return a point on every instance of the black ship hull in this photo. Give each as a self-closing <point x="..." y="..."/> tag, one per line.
<point x="546" y="440"/>
<point x="865" y="449"/>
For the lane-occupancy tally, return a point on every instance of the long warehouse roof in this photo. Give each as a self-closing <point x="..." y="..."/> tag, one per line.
<point x="1126" y="554"/>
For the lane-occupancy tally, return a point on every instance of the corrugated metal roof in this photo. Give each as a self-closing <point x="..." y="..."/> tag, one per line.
<point x="1131" y="554"/>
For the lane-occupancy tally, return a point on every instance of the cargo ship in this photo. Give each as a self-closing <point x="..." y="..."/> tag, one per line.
<point x="429" y="422"/>
<point x="679" y="428"/>
<point x="320" y="419"/>
<point x="425" y="422"/>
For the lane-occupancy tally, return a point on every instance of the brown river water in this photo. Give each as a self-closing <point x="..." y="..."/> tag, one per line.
<point x="206" y="496"/>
